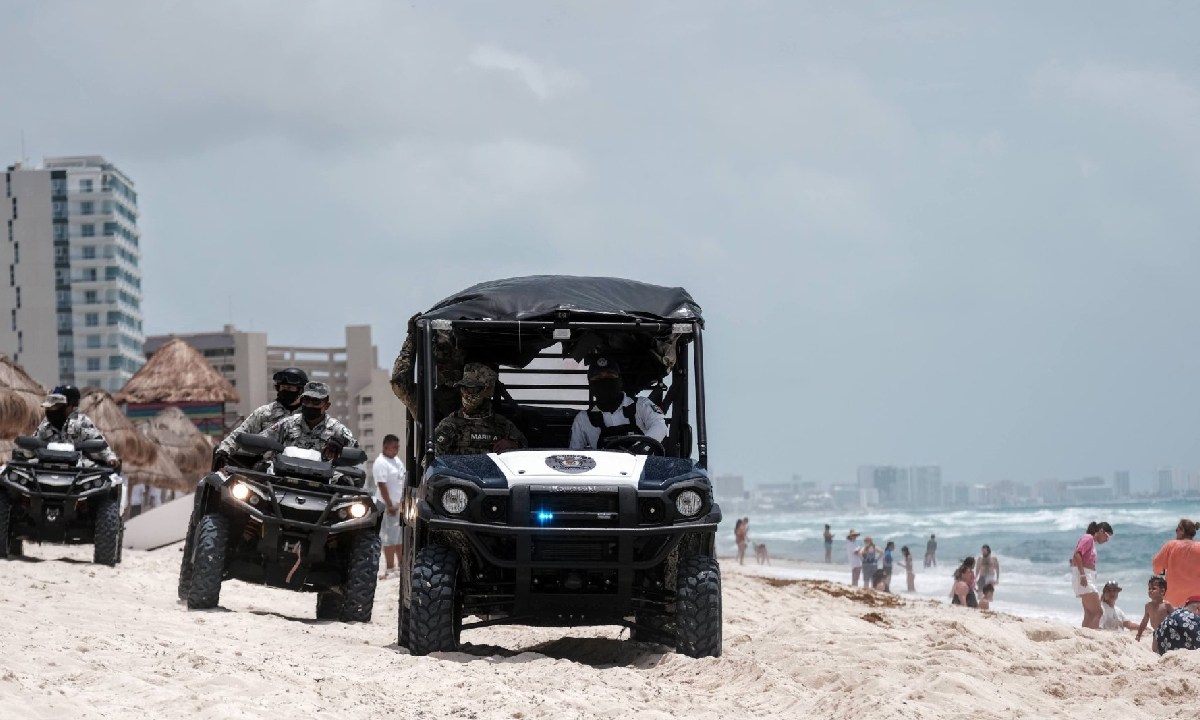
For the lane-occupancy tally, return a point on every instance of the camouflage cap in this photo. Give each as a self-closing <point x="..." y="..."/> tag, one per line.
<point x="316" y="390"/>
<point x="476" y="375"/>
<point x="54" y="399"/>
<point x="604" y="366"/>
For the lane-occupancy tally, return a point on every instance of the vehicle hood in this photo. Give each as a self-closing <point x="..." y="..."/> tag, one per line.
<point x="525" y="467"/>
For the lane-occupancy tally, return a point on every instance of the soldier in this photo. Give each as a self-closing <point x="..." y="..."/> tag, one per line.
<point x="449" y="360"/>
<point x="614" y="413"/>
<point x="474" y="429"/>
<point x="288" y="384"/>
<point x="312" y="429"/>
<point x="64" y="423"/>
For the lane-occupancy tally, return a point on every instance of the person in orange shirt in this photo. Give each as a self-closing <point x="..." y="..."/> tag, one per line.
<point x="1179" y="560"/>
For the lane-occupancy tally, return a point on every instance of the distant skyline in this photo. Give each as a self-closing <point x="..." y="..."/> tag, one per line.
<point x="921" y="233"/>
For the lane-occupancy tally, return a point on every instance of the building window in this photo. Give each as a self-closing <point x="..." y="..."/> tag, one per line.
<point x="115" y="362"/>
<point x="89" y="252"/>
<point x="20" y="341"/>
<point x="58" y="209"/>
<point x="16" y="253"/>
<point x="85" y="185"/>
<point x="89" y="274"/>
<point x="88" y="230"/>
<point x="18" y="298"/>
<point x="367" y="417"/>
<point x="12" y="275"/>
<point x="93" y="341"/>
<point x="64" y="320"/>
<point x="87" y="207"/>
<point x="91" y="297"/>
<point x="91" y="319"/>
<point x="93" y="364"/>
<point x="60" y="231"/>
<point x="114" y="318"/>
<point x="14" y="319"/>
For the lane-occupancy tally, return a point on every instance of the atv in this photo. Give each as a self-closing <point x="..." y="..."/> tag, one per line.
<point x="547" y="535"/>
<point x="55" y="494"/>
<point x="293" y="521"/>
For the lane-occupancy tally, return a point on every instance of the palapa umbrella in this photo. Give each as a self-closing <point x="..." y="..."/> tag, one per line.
<point x="131" y="446"/>
<point x="185" y="446"/>
<point x="159" y="473"/>
<point x="20" y="400"/>
<point x="177" y="373"/>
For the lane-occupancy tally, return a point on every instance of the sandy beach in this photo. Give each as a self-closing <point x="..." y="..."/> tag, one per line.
<point x="93" y="642"/>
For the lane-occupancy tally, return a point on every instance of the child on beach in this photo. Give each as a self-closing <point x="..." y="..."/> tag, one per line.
<point x="987" y="593"/>
<point x="1156" y="609"/>
<point x="909" y="575"/>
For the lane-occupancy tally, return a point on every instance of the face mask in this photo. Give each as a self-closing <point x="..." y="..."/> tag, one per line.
<point x="474" y="398"/>
<point x="608" y="393"/>
<point x="287" y="398"/>
<point x="311" y="414"/>
<point x="56" y="416"/>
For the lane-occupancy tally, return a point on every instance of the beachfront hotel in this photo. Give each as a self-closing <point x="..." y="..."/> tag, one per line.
<point x="70" y="304"/>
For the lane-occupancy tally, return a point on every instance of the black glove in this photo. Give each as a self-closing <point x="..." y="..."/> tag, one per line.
<point x="220" y="459"/>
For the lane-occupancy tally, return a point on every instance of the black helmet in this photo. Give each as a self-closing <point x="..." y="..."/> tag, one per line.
<point x="70" y="392"/>
<point x="291" y="376"/>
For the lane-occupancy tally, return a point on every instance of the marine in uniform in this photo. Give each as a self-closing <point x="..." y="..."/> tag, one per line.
<point x="312" y="429"/>
<point x="65" y="424"/>
<point x="288" y="384"/>
<point x="474" y="429"/>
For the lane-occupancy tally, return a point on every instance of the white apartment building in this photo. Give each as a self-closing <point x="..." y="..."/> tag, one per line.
<point x="360" y="393"/>
<point x="71" y="311"/>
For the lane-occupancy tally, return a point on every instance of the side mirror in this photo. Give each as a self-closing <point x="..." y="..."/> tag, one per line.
<point x="27" y="442"/>
<point x="351" y="456"/>
<point x="358" y="475"/>
<point x="258" y="444"/>
<point x="91" y="446"/>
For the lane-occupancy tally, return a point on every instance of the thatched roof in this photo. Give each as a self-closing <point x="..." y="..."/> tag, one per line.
<point x="177" y="437"/>
<point x="159" y="473"/>
<point x="177" y="373"/>
<point x="133" y="447"/>
<point x="20" y="400"/>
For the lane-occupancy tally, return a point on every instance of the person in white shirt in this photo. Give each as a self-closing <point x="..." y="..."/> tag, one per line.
<point x="613" y="413"/>
<point x="1111" y="617"/>
<point x="388" y="474"/>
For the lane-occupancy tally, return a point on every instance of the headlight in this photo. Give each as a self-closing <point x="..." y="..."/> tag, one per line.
<point x="239" y="491"/>
<point x="688" y="503"/>
<point x="357" y="510"/>
<point x="454" y="500"/>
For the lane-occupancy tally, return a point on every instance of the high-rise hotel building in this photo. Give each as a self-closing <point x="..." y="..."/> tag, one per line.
<point x="72" y="295"/>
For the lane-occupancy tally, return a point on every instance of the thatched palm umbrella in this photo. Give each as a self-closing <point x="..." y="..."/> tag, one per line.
<point x="133" y="447"/>
<point x="159" y="473"/>
<point x="180" y="441"/>
<point x="178" y="375"/>
<point x="20" y="400"/>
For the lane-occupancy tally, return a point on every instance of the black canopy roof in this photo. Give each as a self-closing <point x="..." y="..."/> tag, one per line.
<point x="541" y="297"/>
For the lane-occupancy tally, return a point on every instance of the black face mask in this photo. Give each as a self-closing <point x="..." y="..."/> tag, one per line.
<point x="311" y="414"/>
<point x="57" y="416"/>
<point x="287" y="398"/>
<point x="608" y="393"/>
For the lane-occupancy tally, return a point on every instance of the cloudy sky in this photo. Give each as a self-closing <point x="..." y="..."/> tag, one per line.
<point x="921" y="233"/>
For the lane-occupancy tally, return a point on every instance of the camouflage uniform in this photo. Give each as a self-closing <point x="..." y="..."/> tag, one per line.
<point x="292" y="431"/>
<point x="257" y="421"/>
<point x="449" y="360"/>
<point x="76" y="429"/>
<point x="460" y="434"/>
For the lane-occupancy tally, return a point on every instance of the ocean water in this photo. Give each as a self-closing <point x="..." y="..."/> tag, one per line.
<point x="1034" y="546"/>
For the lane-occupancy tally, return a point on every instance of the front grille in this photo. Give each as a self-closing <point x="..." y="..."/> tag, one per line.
<point x="574" y="502"/>
<point x="574" y="550"/>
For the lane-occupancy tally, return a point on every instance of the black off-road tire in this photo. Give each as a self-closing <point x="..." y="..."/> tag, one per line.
<point x="106" y="549"/>
<point x="698" y="607"/>
<point x="185" y="563"/>
<point x="329" y="605"/>
<point x="16" y="547"/>
<point x="402" y="630"/>
<point x="208" y="567"/>
<point x="434" y="615"/>
<point x="6" y="543"/>
<point x="358" y="593"/>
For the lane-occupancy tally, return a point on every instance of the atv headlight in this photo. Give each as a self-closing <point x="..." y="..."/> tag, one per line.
<point x="454" y="500"/>
<point x="688" y="503"/>
<point x="239" y="491"/>
<point x="357" y="510"/>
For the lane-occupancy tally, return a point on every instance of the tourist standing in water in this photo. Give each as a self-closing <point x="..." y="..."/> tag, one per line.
<point x="1083" y="572"/>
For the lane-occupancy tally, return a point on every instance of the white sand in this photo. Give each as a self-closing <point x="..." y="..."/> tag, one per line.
<point x="92" y="642"/>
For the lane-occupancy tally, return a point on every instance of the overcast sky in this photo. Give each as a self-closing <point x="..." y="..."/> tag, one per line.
<point x="928" y="233"/>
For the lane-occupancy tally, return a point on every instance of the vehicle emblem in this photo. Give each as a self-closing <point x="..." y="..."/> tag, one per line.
<point x="571" y="464"/>
<point x="299" y="501"/>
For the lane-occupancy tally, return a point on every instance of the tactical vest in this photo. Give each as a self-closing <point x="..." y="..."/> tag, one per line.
<point x="629" y="428"/>
<point x="476" y="435"/>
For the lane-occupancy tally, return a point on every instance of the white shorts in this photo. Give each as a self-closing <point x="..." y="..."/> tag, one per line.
<point x="389" y="531"/>
<point x="1081" y="589"/>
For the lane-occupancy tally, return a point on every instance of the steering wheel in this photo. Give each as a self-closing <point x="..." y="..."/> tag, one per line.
<point x="636" y="444"/>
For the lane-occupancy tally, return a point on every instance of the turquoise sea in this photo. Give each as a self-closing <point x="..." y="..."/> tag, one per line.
<point x="1034" y="546"/>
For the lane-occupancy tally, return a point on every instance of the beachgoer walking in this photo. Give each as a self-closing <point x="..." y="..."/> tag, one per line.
<point x="888" y="562"/>
<point x="1083" y="572"/>
<point x="963" y="590"/>
<point x="828" y="545"/>
<point x="987" y="567"/>
<point x="870" y="560"/>
<point x="739" y="534"/>
<point x="1156" y="609"/>
<point x="909" y="575"/>
<point x="1180" y="629"/>
<point x="931" y="552"/>
<point x="1179" y="561"/>
<point x="853" y="556"/>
